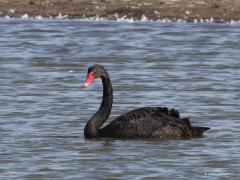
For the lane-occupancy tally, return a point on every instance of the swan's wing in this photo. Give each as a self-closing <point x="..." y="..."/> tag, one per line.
<point x="145" y="122"/>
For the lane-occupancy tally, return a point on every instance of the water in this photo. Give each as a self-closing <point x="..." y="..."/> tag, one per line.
<point x="194" y="68"/>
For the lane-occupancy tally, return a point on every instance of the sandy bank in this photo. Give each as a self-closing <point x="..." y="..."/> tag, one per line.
<point x="189" y="10"/>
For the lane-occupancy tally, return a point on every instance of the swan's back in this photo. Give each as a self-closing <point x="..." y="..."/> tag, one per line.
<point x="154" y="122"/>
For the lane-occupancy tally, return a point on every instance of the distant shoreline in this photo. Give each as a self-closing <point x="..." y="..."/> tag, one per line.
<point x="188" y="10"/>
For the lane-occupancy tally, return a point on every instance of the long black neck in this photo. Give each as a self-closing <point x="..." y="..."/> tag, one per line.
<point x="93" y="125"/>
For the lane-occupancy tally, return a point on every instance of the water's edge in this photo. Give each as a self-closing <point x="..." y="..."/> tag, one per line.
<point x="190" y="10"/>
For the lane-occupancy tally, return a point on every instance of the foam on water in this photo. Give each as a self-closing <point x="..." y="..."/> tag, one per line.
<point x="25" y="16"/>
<point x="118" y="18"/>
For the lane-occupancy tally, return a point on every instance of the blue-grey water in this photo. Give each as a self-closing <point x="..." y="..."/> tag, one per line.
<point x="194" y="68"/>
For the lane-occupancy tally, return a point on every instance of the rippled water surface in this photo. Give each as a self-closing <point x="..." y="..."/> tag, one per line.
<point x="194" y="68"/>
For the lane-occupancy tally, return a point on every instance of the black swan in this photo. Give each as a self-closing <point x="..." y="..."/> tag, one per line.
<point x="146" y="122"/>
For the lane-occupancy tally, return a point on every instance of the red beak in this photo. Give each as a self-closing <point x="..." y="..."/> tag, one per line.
<point x="89" y="79"/>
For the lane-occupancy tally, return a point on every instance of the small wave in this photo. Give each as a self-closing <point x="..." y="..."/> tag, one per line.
<point x="38" y="17"/>
<point x="117" y="18"/>
<point x="25" y="16"/>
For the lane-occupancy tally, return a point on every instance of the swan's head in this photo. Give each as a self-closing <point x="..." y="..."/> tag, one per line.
<point x="94" y="71"/>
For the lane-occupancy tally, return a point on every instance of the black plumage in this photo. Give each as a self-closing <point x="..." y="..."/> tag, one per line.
<point x="146" y="122"/>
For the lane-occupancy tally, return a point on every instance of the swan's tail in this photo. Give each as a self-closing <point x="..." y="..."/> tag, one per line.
<point x="198" y="131"/>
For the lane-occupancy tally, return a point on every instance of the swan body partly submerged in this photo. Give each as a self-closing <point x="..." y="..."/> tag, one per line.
<point x="146" y="122"/>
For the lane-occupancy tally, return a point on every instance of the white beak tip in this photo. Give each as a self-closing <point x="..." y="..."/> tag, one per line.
<point x="85" y="84"/>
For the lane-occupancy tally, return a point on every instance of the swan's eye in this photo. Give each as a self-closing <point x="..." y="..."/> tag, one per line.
<point x="89" y="79"/>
